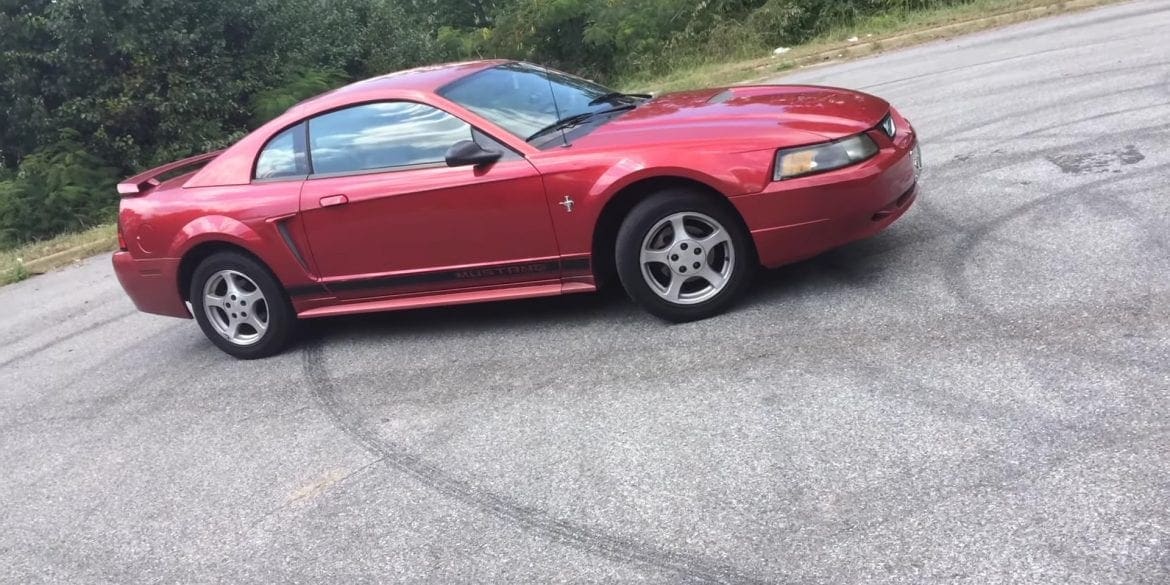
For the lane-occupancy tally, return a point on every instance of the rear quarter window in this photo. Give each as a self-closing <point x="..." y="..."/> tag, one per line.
<point x="284" y="155"/>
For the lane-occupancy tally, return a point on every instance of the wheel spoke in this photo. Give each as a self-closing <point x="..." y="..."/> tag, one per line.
<point x="715" y="238"/>
<point x="655" y="256"/>
<point x="713" y="278"/>
<point x="674" y="289"/>
<point x="233" y="328"/>
<point x="680" y="230"/>
<point x="250" y="297"/>
<point x="233" y="289"/>
<point x="213" y="301"/>
<point x="255" y="322"/>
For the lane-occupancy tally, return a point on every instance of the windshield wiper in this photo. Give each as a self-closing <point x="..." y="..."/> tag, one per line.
<point x="617" y="94"/>
<point x="577" y="119"/>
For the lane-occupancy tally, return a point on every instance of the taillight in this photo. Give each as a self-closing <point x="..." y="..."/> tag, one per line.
<point x="121" y="236"/>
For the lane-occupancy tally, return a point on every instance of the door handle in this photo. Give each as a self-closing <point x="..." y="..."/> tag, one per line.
<point x="333" y="200"/>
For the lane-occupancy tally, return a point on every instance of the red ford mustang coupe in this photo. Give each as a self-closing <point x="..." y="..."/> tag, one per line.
<point x="503" y="180"/>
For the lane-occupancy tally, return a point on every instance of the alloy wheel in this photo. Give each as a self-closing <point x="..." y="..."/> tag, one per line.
<point x="687" y="258"/>
<point x="235" y="307"/>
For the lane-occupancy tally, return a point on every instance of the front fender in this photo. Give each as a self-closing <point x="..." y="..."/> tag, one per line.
<point x="593" y="179"/>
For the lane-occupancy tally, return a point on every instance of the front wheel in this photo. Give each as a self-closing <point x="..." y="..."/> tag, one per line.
<point x="682" y="256"/>
<point x="240" y="306"/>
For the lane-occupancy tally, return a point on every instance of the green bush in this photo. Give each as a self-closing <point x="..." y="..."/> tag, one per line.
<point x="779" y="22"/>
<point x="58" y="189"/>
<point x="145" y="83"/>
<point x="606" y="39"/>
<point x="296" y="86"/>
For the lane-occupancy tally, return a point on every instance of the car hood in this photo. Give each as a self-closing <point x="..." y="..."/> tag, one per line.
<point x="774" y="115"/>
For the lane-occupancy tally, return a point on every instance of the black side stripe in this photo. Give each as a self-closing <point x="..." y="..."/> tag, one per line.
<point x="469" y="275"/>
<point x="575" y="265"/>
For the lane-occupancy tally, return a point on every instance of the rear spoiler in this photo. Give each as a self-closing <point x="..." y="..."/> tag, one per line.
<point x="143" y="182"/>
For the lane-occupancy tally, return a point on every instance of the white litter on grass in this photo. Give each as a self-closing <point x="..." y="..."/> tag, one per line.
<point x="780" y="51"/>
<point x="853" y="39"/>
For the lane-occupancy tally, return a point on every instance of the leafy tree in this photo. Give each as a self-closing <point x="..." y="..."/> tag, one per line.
<point x="60" y="188"/>
<point x="299" y="85"/>
<point x="143" y="82"/>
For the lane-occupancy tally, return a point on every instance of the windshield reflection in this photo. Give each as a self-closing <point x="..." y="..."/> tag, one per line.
<point x="381" y="135"/>
<point x="517" y="96"/>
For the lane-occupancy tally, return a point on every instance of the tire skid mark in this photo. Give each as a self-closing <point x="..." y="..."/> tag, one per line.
<point x="100" y="405"/>
<point x="1013" y="484"/>
<point x="1069" y="22"/>
<point x="978" y="166"/>
<point x="1000" y="61"/>
<point x="1030" y="113"/>
<point x="1028" y="87"/>
<point x="1001" y="37"/>
<point x="880" y="379"/>
<point x="836" y="340"/>
<point x="687" y="567"/>
<point x="65" y="337"/>
<point x="1036" y="131"/>
<point x="846" y="339"/>
<point x="1001" y="480"/>
<point x="62" y="316"/>
<point x="957" y="260"/>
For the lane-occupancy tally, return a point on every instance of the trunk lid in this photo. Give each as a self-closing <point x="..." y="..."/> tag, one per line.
<point x="146" y="181"/>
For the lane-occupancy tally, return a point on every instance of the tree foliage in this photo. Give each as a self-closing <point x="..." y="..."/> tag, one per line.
<point x="143" y="82"/>
<point x="54" y="192"/>
<point x="93" y="89"/>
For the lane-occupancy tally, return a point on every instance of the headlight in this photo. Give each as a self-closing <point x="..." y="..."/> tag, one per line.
<point x="807" y="160"/>
<point x="888" y="126"/>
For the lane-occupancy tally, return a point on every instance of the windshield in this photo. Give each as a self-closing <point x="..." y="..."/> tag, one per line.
<point x="517" y="96"/>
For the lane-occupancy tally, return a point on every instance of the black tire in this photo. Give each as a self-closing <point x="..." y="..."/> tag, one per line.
<point x="644" y="225"/>
<point x="274" y="310"/>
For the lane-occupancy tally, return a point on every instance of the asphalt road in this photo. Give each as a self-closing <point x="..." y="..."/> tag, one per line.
<point x="978" y="395"/>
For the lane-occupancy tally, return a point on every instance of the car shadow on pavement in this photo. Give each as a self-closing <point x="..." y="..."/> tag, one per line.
<point x="577" y="309"/>
<point x="860" y="264"/>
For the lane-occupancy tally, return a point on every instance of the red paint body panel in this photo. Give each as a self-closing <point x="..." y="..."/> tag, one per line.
<point x="428" y="219"/>
<point x="446" y="235"/>
<point x="799" y="218"/>
<point x="151" y="284"/>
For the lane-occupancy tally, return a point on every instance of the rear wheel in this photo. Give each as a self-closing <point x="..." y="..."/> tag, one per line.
<point x="682" y="256"/>
<point x="240" y="306"/>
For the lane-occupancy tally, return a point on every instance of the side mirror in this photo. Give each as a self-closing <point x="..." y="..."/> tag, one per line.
<point x="468" y="152"/>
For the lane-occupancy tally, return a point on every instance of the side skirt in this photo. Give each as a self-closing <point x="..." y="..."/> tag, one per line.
<point x="544" y="288"/>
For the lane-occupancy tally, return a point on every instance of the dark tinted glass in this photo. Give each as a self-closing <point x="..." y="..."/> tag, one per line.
<point x="283" y="156"/>
<point x="382" y="135"/>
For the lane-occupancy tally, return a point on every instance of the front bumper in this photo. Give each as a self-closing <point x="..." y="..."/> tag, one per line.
<point x="799" y="218"/>
<point x="152" y="284"/>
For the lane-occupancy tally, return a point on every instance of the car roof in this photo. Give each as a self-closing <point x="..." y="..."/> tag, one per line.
<point x="412" y="84"/>
<point x="426" y="79"/>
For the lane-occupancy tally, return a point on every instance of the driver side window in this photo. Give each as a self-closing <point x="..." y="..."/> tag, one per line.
<point x="382" y="135"/>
